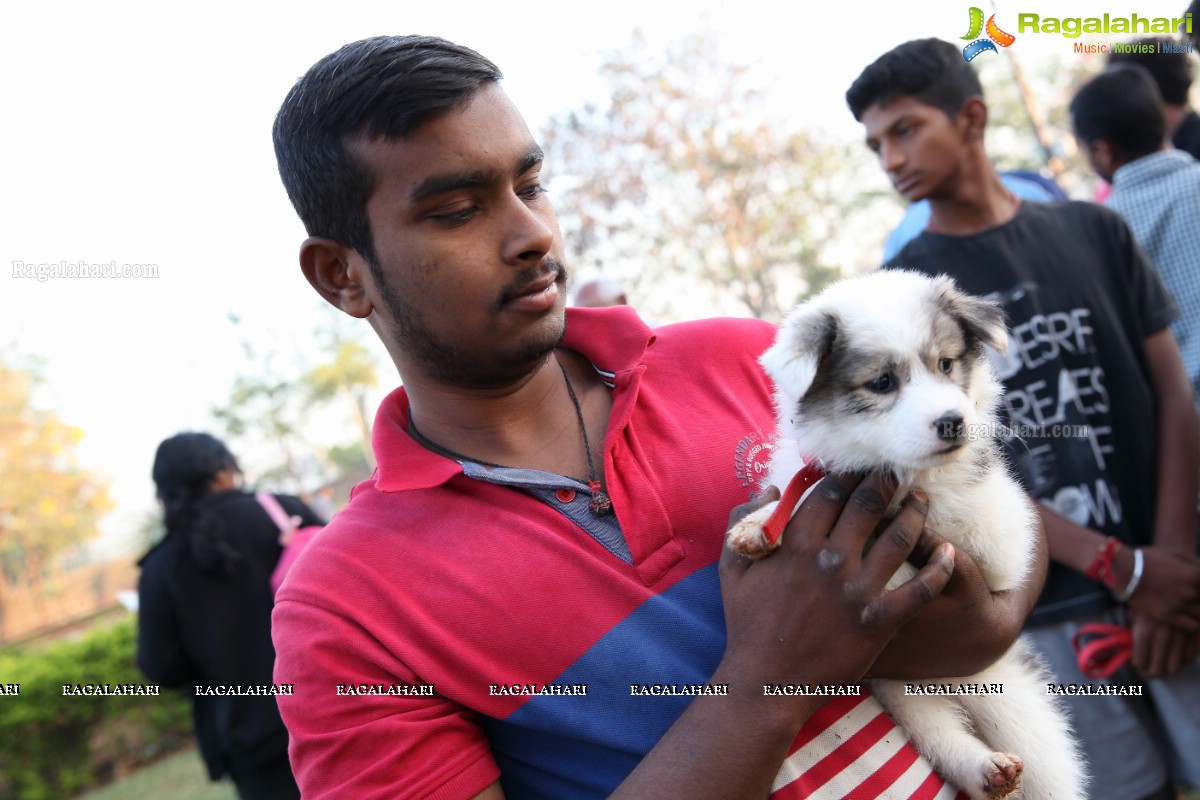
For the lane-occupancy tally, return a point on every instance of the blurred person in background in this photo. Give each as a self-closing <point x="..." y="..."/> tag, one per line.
<point x="1119" y="122"/>
<point x="599" y="292"/>
<point x="205" y="611"/>
<point x="1171" y="70"/>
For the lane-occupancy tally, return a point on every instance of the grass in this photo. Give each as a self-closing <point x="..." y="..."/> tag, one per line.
<point x="177" y="777"/>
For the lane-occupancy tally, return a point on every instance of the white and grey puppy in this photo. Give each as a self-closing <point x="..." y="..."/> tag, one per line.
<point x="887" y="371"/>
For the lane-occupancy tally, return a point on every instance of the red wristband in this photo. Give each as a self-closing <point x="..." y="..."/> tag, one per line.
<point x="1101" y="569"/>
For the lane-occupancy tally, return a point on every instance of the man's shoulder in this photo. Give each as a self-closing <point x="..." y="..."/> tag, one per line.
<point x="1072" y="221"/>
<point x="741" y="329"/>
<point x="1059" y="210"/>
<point x="365" y="536"/>
<point x="721" y="350"/>
<point x="1034" y="226"/>
<point x="1156" y="171"/>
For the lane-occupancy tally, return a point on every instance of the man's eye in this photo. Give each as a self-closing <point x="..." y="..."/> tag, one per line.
<point x="533" y="190"/>
<point x="883" y="383"/>
<point x="458" y="215"/>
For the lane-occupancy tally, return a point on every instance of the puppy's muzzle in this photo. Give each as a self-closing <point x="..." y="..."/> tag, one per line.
<point x="951" y="428"/>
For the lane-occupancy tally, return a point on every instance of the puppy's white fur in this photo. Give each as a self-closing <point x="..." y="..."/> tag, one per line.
<point x="887" y="371"/>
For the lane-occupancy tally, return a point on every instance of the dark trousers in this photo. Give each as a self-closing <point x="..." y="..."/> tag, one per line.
<point x="273" y="781"/>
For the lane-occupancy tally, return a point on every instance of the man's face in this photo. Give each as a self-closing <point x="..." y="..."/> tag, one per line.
<point x="471" y="285"/>
<point x="918" y="145"/>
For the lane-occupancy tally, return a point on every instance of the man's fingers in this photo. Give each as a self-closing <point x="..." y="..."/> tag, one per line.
<point x="898" y="541"/>
<point x="929" y="541"/>
<point x="732" y="562"/>
<point x="1143" y="649"/>
<point x="864" y="510"/>
<point x="900" y="604"/>
<point x="1175" y="651"/>
<point x="820" y="510"/>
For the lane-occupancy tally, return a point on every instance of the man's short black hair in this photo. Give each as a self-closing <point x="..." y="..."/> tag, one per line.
<point x="383" y="87"/>
<point x="1194" y="10"/>
<point x="1121" y="106"/>
<point x="1171" y="71"/>
<point x="929" y="70"/>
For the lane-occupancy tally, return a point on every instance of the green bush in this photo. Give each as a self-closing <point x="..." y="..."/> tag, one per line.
<point x="53" y="746"/>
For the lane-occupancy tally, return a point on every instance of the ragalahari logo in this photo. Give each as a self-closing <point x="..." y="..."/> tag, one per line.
<point x="995" y="36"/>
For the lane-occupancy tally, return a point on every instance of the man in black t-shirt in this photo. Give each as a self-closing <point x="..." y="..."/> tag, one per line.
<point x="1099" y="418"/>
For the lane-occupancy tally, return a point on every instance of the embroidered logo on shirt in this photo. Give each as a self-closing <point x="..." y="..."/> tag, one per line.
<point x="751" y="460"/>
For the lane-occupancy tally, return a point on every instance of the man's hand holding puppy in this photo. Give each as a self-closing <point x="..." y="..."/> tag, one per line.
<point x="815" y="612"/>
<point x="827" y="614"/>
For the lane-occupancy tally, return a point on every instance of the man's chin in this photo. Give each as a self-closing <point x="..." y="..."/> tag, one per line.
<point x="525" y="357"/>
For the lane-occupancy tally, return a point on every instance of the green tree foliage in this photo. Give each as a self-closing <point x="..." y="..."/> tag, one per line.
<point x="48" y="502"/>
<point x="262" y="415"/>
<point x="683" y="184"/>
<point x="298" y="427"/>
<point x="347" y="377"/>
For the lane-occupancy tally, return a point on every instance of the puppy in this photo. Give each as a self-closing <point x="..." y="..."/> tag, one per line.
<point x="887" y="371"/>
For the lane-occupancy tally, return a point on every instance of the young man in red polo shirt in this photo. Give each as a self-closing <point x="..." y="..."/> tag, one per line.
<point x="530" y="598"/>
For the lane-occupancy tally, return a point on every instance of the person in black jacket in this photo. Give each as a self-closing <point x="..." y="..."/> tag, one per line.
<point x="205" y="605"/>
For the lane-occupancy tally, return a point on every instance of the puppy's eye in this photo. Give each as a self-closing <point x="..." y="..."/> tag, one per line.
<point x="883" y="384"/>
<point x="946" y="364"/>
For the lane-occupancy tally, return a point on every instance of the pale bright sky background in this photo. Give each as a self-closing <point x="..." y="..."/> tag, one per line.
<point x="139" y="133"/>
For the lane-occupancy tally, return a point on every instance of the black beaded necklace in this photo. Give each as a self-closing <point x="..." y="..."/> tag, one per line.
<point x="600" y="504"/>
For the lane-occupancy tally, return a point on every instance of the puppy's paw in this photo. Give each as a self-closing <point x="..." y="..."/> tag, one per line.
<point x="1002" y="775"/>
<point x="747" y="536"/>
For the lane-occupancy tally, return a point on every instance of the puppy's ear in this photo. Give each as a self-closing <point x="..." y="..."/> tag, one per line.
<point x="982" y="320"/>
<point x="806" y="336"/>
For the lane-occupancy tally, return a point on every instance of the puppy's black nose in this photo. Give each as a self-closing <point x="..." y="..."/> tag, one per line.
<point x="950" y="427"/>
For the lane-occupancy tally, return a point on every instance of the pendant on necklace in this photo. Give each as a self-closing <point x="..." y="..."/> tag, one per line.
<point x="600" y="505"/>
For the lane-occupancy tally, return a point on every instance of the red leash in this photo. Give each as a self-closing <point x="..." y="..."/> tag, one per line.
<point x="805" y="478"/>
<point x="1103" y="648"/>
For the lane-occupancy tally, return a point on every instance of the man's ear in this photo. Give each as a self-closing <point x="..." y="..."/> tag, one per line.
<point x="1104" y="156"/>
<point x="338" y="273"/>
<point x="974" y="117"/>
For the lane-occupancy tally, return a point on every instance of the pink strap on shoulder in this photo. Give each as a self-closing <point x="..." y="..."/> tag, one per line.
<point x="281" y="518"/>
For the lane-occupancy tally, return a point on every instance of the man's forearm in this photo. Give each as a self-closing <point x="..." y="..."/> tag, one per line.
<point x="723" y="748"/>
<point x="816" y="611"/>
<point x="1178" y="453"/>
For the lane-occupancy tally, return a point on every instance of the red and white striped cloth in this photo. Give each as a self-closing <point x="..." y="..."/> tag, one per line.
<point x="852" y="750"/>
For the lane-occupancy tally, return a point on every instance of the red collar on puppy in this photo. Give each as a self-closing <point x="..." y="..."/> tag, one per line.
<point x="805" y="478"/>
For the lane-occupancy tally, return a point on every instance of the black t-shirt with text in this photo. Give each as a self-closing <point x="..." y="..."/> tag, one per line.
<point x="1078" y="414"/>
